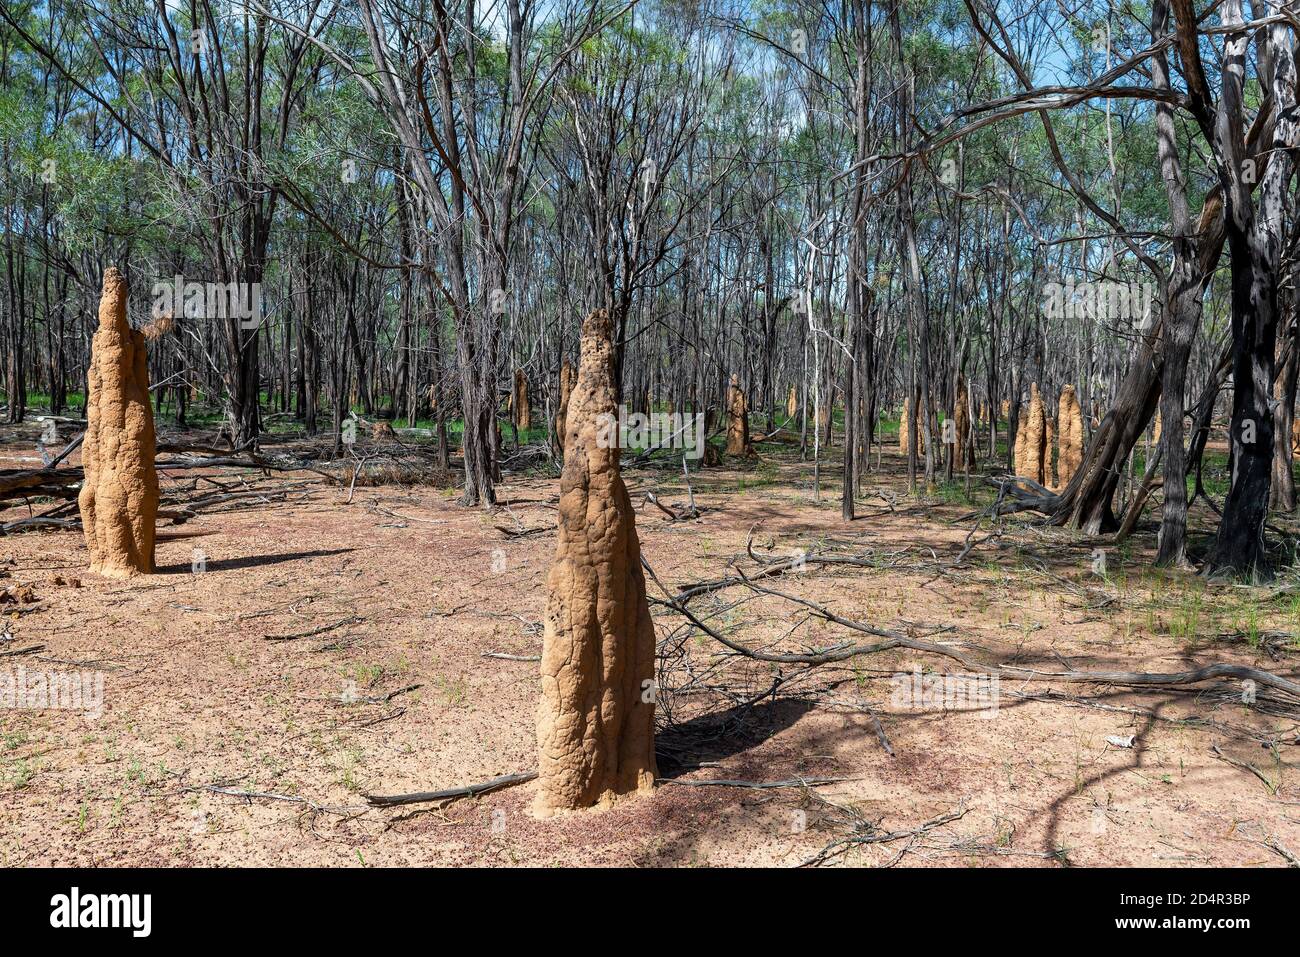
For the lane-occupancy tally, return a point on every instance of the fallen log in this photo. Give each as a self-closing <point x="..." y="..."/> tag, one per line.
<point x="53" y="482"/>
<point x="47" y="482"/>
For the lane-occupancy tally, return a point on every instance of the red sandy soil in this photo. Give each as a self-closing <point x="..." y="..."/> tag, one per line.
<point x="417" y="590"/>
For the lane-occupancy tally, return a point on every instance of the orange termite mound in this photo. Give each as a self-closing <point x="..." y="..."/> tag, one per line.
<point x="595" y="723"/>
<point x="521" y="413"/>
<point x="791" y="404"/>
<point x="905" y="427"/>
<point x="1030" y="439"/>
<point x="566" y="389"/>
<point x="1069" y="436"/>
<point x="119" y="497"/>
<point x="737" y="420"/>
<point x="1049" y="463"/>
<point x="964" y="453"/>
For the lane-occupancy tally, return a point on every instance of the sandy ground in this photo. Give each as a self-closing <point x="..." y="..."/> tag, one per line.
<point x="326" y="650"/>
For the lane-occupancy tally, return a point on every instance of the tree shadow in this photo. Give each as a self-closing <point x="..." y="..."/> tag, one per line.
<point x="717" y="735"/>
<point x="1054" y="812"/>
<point x="249" y="561"/>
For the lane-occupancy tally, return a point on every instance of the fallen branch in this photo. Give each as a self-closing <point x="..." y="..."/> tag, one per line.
<point x="895" y="639"/>
<point x="385" y="698"/>
<point x="450" y="794"/>
<point x="22" y="651"/>
<point x="250" y="796"/>
<point x="674" y="515"/>
<point x="351" y="619"/>
<point x="1167" y="679"/>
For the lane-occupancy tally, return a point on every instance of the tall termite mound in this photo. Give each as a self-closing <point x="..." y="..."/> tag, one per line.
<point x="964" y="454"/>
<point x="1049" y="447"/>
<point x="566" y="389"/>
<point x="521" y="414"/>
<point x="905" y="427"/>
<point x="595" y="723"/>
<point x="791" y="404"/>
<point x="119" y="497"/>
<point x="1069" y="436"/>
<point x="1037" y="437"/>
<point x="737" y="420"/>
<point x="1030" y="439"/>
<point x="1018" y="457"/>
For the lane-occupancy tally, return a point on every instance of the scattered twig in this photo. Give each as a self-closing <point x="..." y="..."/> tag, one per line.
<point x="1272" y="788"/>
<point x="866" y="832"/>
<point x="1278" y="848"/>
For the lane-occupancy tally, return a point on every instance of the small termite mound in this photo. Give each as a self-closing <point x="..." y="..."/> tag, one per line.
<point x="521" y="414"/>
<point x="158" y="327"/>
<point x="595" y="723"/>
<point x="119" y="497"/>
<point x="824" y="416"/>
<point x="737" y="421"/>
<point x="1069" y="436"/>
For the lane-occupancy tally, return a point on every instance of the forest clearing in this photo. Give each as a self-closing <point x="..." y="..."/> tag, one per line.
<point x="650" y="434"/>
